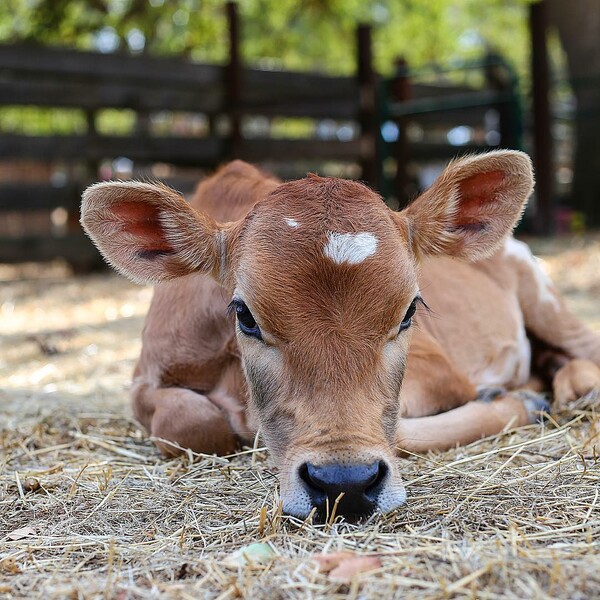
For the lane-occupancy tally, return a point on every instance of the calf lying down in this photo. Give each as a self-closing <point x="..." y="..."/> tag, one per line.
<point x="298" y="309"/>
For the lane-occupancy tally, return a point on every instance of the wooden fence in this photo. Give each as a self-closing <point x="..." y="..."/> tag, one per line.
<point x="228" y="97"/>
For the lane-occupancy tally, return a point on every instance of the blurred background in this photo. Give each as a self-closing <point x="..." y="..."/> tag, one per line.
<point x="384" y="90"/>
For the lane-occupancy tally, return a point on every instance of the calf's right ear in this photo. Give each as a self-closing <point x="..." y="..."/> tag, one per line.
<point x="472" y="206"/>
<point x="149" y="233"/>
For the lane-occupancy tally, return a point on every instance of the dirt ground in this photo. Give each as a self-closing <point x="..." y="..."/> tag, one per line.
<point x="89" y="510"/>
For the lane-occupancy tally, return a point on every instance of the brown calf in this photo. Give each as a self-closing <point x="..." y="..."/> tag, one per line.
<point x="324" y="282"/>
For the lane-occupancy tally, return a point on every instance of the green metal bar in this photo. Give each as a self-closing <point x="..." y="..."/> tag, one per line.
<point x="430" y="105"/>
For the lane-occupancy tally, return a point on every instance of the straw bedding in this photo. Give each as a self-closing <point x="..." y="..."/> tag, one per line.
<point x="89" y="510"/>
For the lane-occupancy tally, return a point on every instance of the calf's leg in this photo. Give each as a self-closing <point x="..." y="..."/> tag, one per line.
<point x="185" y="417"/>
<point x="432" y="384"/>
<point x="441" y="408"/>
<point x="544" y="311"/>
<point x="469" y="422"/>
<point x="548" y="319"/>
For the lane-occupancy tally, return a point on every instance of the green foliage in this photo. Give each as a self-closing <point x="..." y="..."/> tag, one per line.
<point x="320" y="34"/>
<point x="313" y="34"/>
<point x="32" y="120"/>
<point x="111" y="121"/>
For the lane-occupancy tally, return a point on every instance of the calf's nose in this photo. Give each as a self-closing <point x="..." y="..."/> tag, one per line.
<point x="359" y="483"/>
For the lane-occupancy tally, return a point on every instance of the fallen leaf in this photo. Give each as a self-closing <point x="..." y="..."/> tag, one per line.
<point x="344" y="566"/>
<point x="259" y="552"/>
<point x="330" y="561"/>
<point x="351" y="567"/>
<point x="20" y="534"/>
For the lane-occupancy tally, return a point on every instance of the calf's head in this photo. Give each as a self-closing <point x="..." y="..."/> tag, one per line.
<point x="324" y="284"/>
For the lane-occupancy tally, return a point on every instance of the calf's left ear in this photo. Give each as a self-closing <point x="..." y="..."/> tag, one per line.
<point x="472" y="206"/>
<point x="149" y="233"/>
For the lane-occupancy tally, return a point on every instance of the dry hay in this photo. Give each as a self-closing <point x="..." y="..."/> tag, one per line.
<point x="517" y="515"/>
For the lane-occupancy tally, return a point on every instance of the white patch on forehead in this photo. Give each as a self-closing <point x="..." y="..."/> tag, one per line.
<point x="292" y="222"/>
<point x="351" y="248"/>
<point x="545" y="288"/>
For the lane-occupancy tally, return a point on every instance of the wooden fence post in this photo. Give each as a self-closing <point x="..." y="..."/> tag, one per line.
<point x="500" y="78"/>
<point x="90" y="168"/>
<point x="368" y="117"/>
<point x="542" y="134"/>
<point x="233" y="83"/>
<point x="402" y="92"/>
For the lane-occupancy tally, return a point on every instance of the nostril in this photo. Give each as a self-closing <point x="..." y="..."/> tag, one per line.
<point x="375" y="487"/>
<point x="303" y="473"/>
<point x="312" y="486"/>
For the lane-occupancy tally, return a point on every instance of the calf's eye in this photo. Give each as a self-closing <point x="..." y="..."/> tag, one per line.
<point x="410" y="313"/>
<point x="246" y="322"/>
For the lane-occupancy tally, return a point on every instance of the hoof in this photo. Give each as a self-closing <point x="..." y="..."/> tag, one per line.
<point x="536" y="405"/>
<point x="574" y="380"/>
